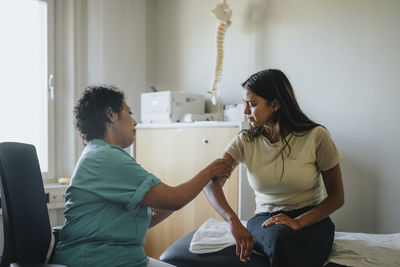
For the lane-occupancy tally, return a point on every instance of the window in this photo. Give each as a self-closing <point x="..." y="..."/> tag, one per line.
<point x="26" y="53"/>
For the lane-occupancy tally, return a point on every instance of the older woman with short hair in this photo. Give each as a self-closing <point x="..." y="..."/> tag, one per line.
<point x="112" y="200"/>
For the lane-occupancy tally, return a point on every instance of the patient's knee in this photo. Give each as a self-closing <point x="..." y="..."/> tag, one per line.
<point x="279" y="237"/>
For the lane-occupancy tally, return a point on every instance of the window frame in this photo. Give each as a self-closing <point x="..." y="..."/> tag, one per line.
<point x="49" y="177"/>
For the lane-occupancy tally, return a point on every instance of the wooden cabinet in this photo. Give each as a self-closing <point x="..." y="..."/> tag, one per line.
<point x="176" y="155"/>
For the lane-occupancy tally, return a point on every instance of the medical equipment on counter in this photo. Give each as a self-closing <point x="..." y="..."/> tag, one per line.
<point x="169" y="106"/>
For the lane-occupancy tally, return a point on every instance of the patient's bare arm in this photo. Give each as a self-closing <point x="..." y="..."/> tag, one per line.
<point x="216" y="197"/>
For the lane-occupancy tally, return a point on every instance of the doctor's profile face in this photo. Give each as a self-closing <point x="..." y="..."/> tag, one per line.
<point x="125" y="126"/>
<point x="257" y="109"/>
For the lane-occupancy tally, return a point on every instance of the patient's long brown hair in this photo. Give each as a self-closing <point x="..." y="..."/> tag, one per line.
<point x="272" y="84"/>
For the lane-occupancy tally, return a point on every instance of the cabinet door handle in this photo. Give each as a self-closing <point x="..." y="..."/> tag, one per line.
<point x="205" y="141"/>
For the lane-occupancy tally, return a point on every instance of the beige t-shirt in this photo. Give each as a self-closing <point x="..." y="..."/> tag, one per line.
<point x="301" y="184"/>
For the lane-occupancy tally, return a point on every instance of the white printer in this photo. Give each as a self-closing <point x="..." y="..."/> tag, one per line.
<point x="169" y="106"/>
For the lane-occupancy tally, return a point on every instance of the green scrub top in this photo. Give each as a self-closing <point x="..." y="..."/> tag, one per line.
<point x="105" y="224"/>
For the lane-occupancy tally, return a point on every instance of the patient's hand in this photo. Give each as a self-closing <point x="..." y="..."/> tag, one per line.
<point x="244" y="240"/>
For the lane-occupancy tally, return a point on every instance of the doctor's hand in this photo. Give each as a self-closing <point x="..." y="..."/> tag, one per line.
<point x="244" y="240"/>
<point x="219" y="168"/>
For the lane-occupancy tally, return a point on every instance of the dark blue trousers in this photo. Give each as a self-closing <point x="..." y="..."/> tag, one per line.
<point x="309" y="247"/>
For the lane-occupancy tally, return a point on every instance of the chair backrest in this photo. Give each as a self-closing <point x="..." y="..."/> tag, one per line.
<point x="27" y="233"/>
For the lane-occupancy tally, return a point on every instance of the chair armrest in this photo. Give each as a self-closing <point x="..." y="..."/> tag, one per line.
<point x="56" y="230"/>
<point x="56" y="233"/>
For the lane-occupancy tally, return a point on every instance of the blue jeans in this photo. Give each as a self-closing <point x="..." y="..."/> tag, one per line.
<point x="286" y="247"/>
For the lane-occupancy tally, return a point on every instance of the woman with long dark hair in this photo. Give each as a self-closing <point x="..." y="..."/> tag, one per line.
<point x="293" y="167"/>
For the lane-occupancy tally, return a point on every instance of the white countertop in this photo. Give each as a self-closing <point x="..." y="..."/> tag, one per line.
<point x="199" y="124"/>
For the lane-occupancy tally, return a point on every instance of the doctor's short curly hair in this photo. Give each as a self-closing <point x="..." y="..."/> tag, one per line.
<point x="90" y="110"/>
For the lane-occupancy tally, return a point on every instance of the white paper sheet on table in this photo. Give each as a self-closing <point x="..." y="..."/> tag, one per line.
<point x="366" y="250"/>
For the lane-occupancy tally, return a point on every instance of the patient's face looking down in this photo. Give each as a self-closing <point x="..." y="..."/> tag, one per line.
<point x="257" y="109"/>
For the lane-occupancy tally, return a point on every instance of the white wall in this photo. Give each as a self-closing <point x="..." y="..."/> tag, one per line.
<point x="97" y="42"/>
<point x="117" y="46"/>
<point x="343" y="61"/>
<point x="341" y="57"/>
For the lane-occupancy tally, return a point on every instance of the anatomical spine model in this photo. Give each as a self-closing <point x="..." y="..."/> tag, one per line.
<point x="223" y="14"/>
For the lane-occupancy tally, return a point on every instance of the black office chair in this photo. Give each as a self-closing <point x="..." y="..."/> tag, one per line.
<point x="26" y="224"/>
